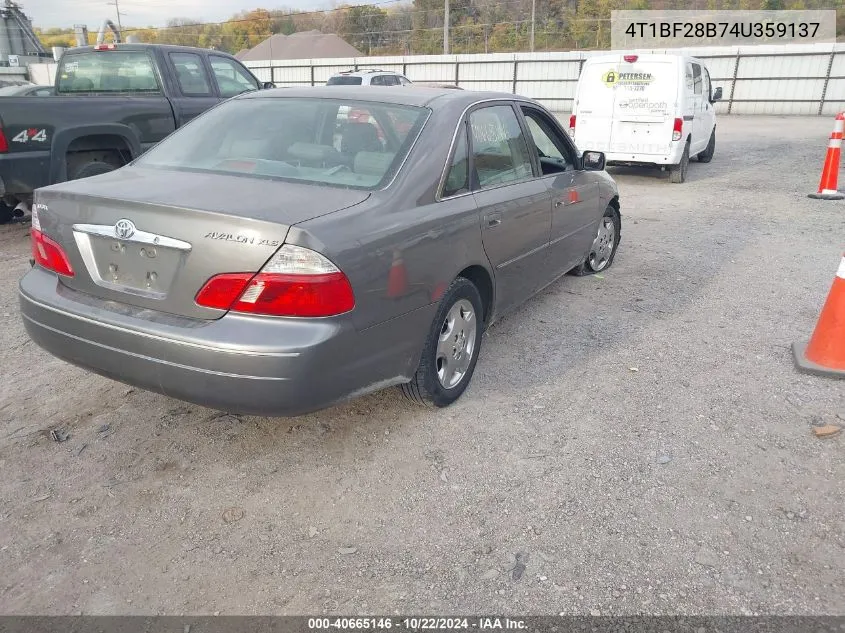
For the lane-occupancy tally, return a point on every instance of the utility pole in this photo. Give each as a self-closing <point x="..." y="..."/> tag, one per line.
<point x="445" y="28"/>
<point x="117" y="10"/>
<point x="533" y="9"/>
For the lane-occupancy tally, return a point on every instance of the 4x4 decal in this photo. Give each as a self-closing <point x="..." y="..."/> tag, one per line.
<point x="31" y="134"/>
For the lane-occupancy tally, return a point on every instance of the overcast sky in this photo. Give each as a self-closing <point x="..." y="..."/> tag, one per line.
<point x="64" y="13"/>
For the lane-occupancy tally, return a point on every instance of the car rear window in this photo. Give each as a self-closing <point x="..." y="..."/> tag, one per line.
<point x="107" y="71"/>
<point x="332" y="142"/>
<point x="344" y="80"/>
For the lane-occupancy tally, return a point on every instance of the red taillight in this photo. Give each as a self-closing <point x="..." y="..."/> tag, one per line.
<point x="4" y="145"/>
<point x="221" y="291"/>
<point x="571" y="124"/>
<point x="49" y="254"/>
<point x="279" y="295"/>
<point x="630" y="58"/>
<point x="677" y="129"/>
<point x="296" y="282"/>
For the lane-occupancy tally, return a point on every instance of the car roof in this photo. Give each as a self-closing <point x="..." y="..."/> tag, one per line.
<point x="641" y="57"/>
<point x="400" y="95"/>
<point x="365" y="71"/>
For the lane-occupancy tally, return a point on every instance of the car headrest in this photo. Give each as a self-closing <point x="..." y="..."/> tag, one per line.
<point x="312" y="152"/>
<point x="372" y="163"/>
<point x="359" y="137"/>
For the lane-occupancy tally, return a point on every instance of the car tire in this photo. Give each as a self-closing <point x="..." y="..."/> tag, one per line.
<point x="599" y="258"/>
<point x="455" y="332"/>
<point x="678" y="173"/>
<point x="94" y="168"/>
<point x="707" y="155"/>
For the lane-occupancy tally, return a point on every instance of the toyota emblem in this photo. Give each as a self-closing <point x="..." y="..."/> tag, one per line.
<point x="124" y="229"/>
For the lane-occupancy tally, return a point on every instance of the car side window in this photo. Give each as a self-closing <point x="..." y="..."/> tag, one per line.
<point x="231" y="78"/>
<point x="457" y="179"/>
<point x="552" y="149"/>
<point x="690" y="82"/>
<point x="696" y="78"/>
<point x="706" y="89"/>
<point x="499" y="149"/>
<point x="404" y="81"/>
<point x="378" y="80"/>
<point x="191" y="75"/>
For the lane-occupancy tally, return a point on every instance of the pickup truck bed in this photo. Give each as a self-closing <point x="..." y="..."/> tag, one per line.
<point x="112" y="103"/>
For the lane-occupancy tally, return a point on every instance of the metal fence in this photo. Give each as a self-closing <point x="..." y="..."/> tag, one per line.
<point x="791" y="79"/>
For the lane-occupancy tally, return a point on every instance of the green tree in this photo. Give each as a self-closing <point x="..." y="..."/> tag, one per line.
<point x="181" y="32"/>
<point x="363" y="26"/>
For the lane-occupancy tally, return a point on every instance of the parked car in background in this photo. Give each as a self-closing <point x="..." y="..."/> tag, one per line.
<point x="646" y="110"/>
<point x="271" y="258"/>
<point x="112" y="102"/>
<point x="27" y="90"/>
<point x="368" y="77"/>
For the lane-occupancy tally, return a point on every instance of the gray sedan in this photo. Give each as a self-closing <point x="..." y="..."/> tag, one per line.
<point x="290" y="249"/>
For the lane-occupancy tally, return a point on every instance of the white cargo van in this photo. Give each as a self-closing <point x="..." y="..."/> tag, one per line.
<point x="646" y="109"/>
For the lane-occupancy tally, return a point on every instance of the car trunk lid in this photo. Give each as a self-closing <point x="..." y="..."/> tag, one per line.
<point x="167" y="232"/>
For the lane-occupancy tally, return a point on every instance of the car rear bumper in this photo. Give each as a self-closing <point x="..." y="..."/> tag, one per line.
<point x="238" y="363"/>
<point x="669" y="154"/>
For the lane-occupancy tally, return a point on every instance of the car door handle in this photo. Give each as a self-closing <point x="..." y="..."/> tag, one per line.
<point x="494" y="220"/>
<point x="558" y="203"/>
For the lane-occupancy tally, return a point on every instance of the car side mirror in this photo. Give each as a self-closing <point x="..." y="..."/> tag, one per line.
<point x="267" y="85"/>
<point x="717" y="94"/>
<point x="593" y="161"/>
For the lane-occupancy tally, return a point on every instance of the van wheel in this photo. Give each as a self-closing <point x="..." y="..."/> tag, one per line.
<point x="678" y="173"/>
<point x="451" y="348"/>
<point x="707" y="155"/>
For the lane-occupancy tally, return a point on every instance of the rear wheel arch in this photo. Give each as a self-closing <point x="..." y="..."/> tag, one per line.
<point x="73" y="148"/>
<point x="101" y="143"/>
<point x="483" y="281"/>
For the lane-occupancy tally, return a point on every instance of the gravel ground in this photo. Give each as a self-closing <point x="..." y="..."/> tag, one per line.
<point x="633" y="443"/>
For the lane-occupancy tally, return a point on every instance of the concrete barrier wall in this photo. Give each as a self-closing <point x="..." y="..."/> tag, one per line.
<point x="43" y="74"/>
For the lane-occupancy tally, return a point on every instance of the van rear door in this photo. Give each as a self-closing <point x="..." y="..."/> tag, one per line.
<point x="594" y="104"/>
<point x="646" y="99"/>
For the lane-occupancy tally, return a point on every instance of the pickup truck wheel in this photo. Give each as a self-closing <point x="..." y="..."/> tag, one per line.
<point x="6" y="213"/>
<point x="678" y="173"/>
<point x="94" y="168"/>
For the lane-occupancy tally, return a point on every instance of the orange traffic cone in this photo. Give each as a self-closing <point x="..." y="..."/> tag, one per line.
<point x="830" y="171"/>
<point x="397" y="278"/>
<point x="825" y="353"/>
